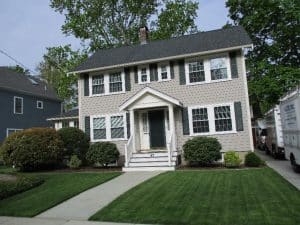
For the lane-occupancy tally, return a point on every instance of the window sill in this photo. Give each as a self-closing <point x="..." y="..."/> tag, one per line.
<point x="105" y="94"/>
<point x="209" y="82"/>
<point x="104" y="140"/>
<point x="215" y="133"/>
<point x="165" y="80"/>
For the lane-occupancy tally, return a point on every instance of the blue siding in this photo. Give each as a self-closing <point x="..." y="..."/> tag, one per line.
<point x="31" y="117"/>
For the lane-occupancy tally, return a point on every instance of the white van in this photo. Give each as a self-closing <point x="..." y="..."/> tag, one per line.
<point x="290" y="116"/>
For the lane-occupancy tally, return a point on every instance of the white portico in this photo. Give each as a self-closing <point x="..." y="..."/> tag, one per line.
<point x="152" y="142"/>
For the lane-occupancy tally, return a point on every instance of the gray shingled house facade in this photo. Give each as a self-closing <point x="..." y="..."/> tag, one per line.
<point x="25" y="102"/>
<point x="152" y="97"/>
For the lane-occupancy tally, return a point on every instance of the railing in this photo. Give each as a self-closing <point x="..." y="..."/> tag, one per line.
<point x="128" y="150"/>
<point x="170" y="147"/>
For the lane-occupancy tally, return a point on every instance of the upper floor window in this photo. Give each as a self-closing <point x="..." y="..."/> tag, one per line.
<point x="196" y="72"/>
<point x="98" y="84"/>
<point x="115" y="82"/>
<point x="18" y="105"/>
<point x="40" y="104"/>
<point x="163" y="72"/>
<point x="144" y="76"/>
<point x="218" y="68"/>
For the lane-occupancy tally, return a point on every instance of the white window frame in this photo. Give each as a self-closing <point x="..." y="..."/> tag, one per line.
<point x="211" y="119"/>
<point x="168" y="71"/>
<point x="22" y="103"/>
<point x="106" y="83"/>
<point x="14" y="129"/>
<point x="37" y="104"/>
<point x="108" y="127"/>
<point x="207" y="72"/>
<point x="140" y="74"/>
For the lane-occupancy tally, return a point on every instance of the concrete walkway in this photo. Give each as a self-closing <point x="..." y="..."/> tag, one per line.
<point x="86" y="204"/>
<point x="40" y="221"/>
<point x="283" y="167"/>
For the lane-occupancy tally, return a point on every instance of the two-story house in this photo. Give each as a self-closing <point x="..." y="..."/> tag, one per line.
<point x="152" y="97"/>
<point x="26" y="101"/>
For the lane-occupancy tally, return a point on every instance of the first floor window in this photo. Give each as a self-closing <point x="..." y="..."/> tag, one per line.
<point x="200" y="120"/>
<point x="196" y="72"/>
<point x="223" y="118"/>
<point x="65" y="124"/>
<point x="115" y="82"/>
<point x="98" y="84"/>
<point x="117" y="127"/>
<point x="18" y="105"/>
<point x="99" y="128"/>
<point x="10" y="131"/>
<point x="76" y="123"/>
<point x="218" y="68"/>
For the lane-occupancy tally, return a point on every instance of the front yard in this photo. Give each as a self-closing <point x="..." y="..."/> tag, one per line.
<point x="227" y="197"/>
<point x="57" y="187"/>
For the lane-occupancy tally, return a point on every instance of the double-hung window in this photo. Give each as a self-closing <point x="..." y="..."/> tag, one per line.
<point x="98" y="84"/>
<point x="223" y="120"/>
<point x="39" y="104"/>
<point x="99" y="128"/>
<point x="117" y="127"/>
<point x="218" y="69"/>
<point x="196" y="71"/>
<point x="115" y="82"/>
<point x="18" y="105"/>
<point x="200" y="120"/>
<point x="144" y="76"/>
<point x="163" y="72"/>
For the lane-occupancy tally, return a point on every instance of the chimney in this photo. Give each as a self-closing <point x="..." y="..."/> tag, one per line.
<point x="143" y="35"/>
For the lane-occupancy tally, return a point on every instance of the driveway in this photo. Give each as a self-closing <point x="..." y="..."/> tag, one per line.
<point x="283" y="167"/>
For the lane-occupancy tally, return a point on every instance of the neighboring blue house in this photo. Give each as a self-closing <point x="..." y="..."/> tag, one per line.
<point x="25" y="101"/>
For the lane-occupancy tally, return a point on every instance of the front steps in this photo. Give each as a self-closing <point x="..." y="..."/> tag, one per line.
<point x="151" y="161"/>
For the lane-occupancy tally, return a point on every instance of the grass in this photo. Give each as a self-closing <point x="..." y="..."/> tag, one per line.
<point x="56" y="188"/>
<point x="220" y="197"/>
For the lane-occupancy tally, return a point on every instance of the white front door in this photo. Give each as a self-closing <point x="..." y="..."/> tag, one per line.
<point x="144" y="130"/>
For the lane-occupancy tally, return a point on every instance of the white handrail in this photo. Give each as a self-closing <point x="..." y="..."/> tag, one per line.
<point x="128" y="150"/>
<point x="170" y="146"/>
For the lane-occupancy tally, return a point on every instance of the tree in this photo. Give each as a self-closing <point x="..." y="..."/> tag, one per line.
<point x="19" y="69"/>
<point x="274" y="27"/>
<point x="57" y="62"/>
<point x="111" y="23"/>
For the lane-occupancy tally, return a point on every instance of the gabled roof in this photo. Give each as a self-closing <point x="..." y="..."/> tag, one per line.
<point x="188" y="44"/>
<point x="71" y="114"/>
<point x="28" y="85"/>
<point x="148" y="90"/>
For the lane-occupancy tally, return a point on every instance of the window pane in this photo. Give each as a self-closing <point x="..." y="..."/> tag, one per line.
<point x="144" y="76"/>
<point x="115" y="82"/>
<point x="99" y="134"/>
<point x="117" y="127"/>
<point x="98" y="84"/>
<point x="164" y="72"/>
<point x="65" y="124"/>
<point x="99" y="128"/>
<point x="196" y="72"/>
<point x="218" y="68"/>
<point x="200" y="120"/>
<point x="223" y="118"/>
<point x="18" y="105"/>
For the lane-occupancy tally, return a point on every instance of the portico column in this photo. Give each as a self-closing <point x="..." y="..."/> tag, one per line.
<point x="132" y="128"/>
<point x="172" y="125"/>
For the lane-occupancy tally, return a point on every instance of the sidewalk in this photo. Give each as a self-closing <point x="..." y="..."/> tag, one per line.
<point x="86" y="204"/>
<point x="283" y="167"/>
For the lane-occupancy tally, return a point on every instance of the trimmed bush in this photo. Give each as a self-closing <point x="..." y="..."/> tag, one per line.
<point x="74" y="162"/>
<point x="103" y="153"/>
<point x="202" y="150"/>
<point x="76" y="142"/>
<point x="21" y="184"/>
<point x="232" y="159"/>
<point x="252" y="160"/>
<point x="32" y="149"/>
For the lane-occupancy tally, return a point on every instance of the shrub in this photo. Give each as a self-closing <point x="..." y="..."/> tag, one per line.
<point x="76" y="142"/>
<point x="103" y="153"/>
<point x="21" y="184"/>
<point x="32" y="149"/>
<point x="252" y="160"/>
<point x="202" y="150"/>
<point x="74" y="162"/>
<point x="232" y="159"/>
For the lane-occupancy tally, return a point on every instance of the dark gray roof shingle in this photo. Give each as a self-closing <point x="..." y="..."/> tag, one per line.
<point x="65" y="115"/>
<point x="199" y="42"/>
<point x="29" y="85"/>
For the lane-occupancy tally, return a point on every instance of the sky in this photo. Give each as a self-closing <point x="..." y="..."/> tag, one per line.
<point x="28" y="27"/>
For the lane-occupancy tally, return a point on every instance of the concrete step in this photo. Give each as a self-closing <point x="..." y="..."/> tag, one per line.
<point x="151" y="159"/>
<point x="148" y="168"/>
<point x="156" y="163"/>
<point x="152" y="154"/>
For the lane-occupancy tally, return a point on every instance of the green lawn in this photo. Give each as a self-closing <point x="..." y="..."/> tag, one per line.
<point x="220" y="197"/>
<point x="57" y="188"/>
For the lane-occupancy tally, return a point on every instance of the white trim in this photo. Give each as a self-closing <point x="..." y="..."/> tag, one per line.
<point x="140" y="74"/>
<point x="149" y="90"/>
<point x="14" y="129"/>
<point x="37" y="104"/>
<point x="167" y="64"/>
<point x="108" y="127"/>
<point x="162" y="59"/>
<point x="106" y="83"/>
<point x="62" y="118"/>
<point x="15" y="97"/>
<point x="211" y="119"/>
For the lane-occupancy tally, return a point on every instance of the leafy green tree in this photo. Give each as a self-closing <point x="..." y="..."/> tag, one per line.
<point x="274" y="27"/>
<point x="110" y="23"/>
<point x="57" y="62"/>
<point x="20" y="69"/>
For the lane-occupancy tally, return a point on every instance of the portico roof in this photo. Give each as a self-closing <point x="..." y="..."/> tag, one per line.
<point x="150" y="91"/>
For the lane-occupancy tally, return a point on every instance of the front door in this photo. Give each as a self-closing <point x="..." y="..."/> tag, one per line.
<point x="157" y="129"/>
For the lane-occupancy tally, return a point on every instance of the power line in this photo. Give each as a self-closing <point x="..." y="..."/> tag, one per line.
<point x="16" y="61"/>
